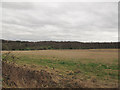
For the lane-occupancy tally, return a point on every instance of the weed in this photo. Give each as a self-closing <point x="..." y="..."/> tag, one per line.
<point x="9" y="57"/>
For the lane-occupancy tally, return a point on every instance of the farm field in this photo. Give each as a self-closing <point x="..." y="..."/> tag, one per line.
<point x="92" y="67"/>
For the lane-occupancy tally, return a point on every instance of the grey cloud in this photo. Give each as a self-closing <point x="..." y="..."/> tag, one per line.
<point x="60" y="21"/>
<point x="17" y="5"/>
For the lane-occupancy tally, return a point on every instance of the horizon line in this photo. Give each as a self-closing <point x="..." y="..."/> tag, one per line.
<point x="64" y="41"/>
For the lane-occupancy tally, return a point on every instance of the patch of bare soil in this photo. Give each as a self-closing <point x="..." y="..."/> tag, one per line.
<point x="15" y="76"/>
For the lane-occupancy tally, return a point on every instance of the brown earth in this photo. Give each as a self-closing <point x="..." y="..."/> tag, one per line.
<point x="22" y="77"/>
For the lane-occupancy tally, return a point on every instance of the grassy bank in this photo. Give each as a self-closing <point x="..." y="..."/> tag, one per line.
<point x="100" y="65"/>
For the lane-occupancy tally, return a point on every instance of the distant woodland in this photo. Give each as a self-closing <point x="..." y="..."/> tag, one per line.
<point x="45" y="45"/>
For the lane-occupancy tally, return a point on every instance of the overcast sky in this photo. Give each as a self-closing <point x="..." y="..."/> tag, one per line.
<point x="73" y="21"/>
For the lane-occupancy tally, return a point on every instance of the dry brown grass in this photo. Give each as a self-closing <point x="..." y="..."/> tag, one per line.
<point x="86" y="56"/>
<point x="107" y="56"/>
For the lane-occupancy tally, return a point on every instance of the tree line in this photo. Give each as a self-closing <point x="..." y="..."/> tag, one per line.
<point x="44" y="45"/>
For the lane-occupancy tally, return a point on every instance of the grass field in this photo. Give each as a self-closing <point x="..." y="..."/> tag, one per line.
<point x="99" y="66"/>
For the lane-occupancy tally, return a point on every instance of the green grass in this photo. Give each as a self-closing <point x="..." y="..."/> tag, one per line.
<point x="96" y="69"/>
<point x="65" y="66"/>
<point x="88" y="66"/>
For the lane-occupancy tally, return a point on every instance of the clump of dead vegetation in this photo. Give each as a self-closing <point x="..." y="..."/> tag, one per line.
<point x="9" y="58"/>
